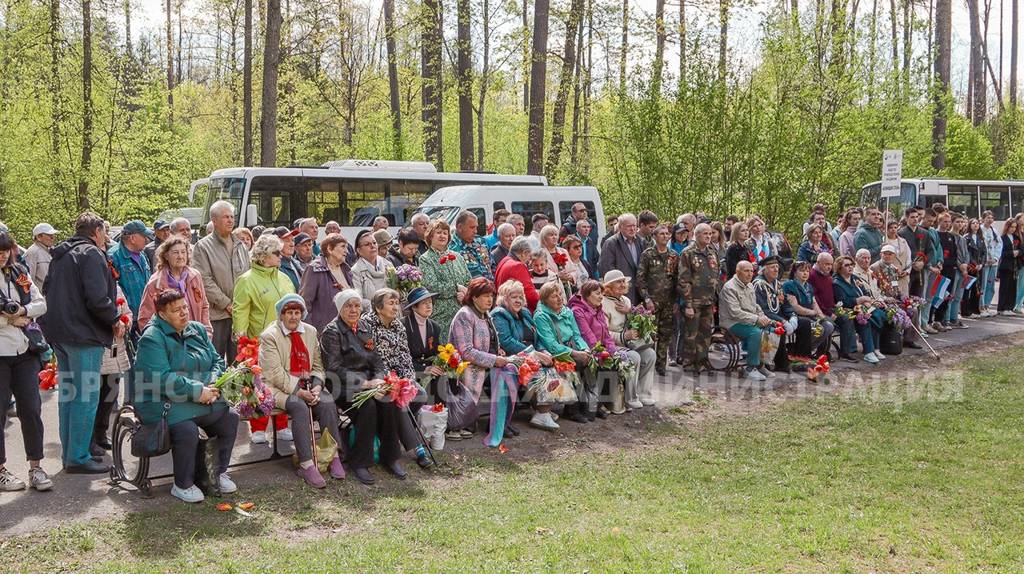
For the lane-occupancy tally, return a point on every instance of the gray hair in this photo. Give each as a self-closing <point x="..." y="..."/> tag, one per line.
<point x="539" y="254"/>
<point x="264" y="246"/>
<point x="627" y="217"/>
<point x="219" y="206"/>
<point x="520" y="245"/>
<point x="862" y="252"/>
<point x="418" y="216"/>
<point x="182" y="221"/>
<point x="548" y="231"/>
<point x="506" y="228"/>
<point x="382" y="295"/>
<point x="515" y="217"/>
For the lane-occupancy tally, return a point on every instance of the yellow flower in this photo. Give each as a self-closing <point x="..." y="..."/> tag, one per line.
<point x="462" y="367"/>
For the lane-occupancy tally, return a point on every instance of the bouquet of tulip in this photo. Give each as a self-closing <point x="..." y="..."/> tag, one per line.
<point x="406" y="278"/>
<point x="601" y="359"/>
<point x="778" y="328"/>
<point x="819" y="371"/>
<point x="450" y="361"/>
<point x="641" y="320"/>
<point x="527" y="368"/>
<point x="564" y="363"/>
<point x="401" y="391"/>
<point x="48" y="376"/>
<point x="911" y="304"/>
<point x="240" y="384"/>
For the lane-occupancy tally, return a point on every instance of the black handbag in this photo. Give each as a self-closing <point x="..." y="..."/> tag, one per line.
<point x="152" y="439"/>
<point x="37" y="344"/>
<point x="890" y="340"/>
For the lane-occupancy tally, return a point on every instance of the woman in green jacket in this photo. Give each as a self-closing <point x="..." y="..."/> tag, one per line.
<point x="254" y="308"/>
<point x="444" y="273"/>
<point x="174" y="373"/>
<point x="559" y="335"/>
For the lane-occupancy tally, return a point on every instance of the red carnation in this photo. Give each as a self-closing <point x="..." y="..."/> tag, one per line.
<point x="453" y="362"/>
<point x="120" y="300"/>
<point x="124" y="319"/>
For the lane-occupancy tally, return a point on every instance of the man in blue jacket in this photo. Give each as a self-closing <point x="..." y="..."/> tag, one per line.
<point x="129" y="260"/>
<point x="81" y="320"/>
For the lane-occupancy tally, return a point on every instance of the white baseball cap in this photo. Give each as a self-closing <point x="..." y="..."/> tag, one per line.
<point x="44" y="229"/>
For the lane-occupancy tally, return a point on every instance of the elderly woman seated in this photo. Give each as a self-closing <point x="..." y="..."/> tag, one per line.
<point x="474" y="336"/>
<point x="175" y="367"/>
<point x="588" y="308"/>
<point x="392" y="343"/>
<point x="294" y="370"/>
<point x="517" y="334"/>
<point x="558" y="334"/>
<point x="352" y="365"/>
<point x="616" y="306"/>
<point x="853" y="294"/>
<point x="813" y="327"/>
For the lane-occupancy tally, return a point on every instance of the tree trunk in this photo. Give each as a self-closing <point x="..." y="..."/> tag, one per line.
<point x="625" y="48"/>
<point x="943" y="39"/>
<point x="682" y="45"/>
<point x="585" y="151"/>
<point x="894" y="39"/>
<point x="128" y="29"/>
<point x="177" y="73"/>
<point x="431" y="46"/>
<point x="564" y="84"/>
<point x="271" y="61"/>
<point x="87" y="111"/>
<point x="659" y="47"/>
<point x="170" y="64"/>
<point x="485" y="77"/>
<point x="247" y="144"/>
<point x="978" y="105"/>
<point x="908" y="24"/>
<point x="526" y="57"/>
<point x="396" y="108"/>
<point x="538" y="87"/>
<point x="723" y="38"/>
<point x="872" y="54"/>
<point x="577" y="90"/>
<point x="56" y="101"/>
<point x="1013" y="53"/>
<point x="464" y="72"/>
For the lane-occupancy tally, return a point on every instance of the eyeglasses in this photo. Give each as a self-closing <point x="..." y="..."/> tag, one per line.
<point x="276" y="253"/>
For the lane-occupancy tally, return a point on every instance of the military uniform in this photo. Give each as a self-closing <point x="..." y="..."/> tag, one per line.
<point x="656" y="281"/>
<point x="698" y="281"/>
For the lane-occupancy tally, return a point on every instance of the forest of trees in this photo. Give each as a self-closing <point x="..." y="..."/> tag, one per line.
<point x="656" y="108"/>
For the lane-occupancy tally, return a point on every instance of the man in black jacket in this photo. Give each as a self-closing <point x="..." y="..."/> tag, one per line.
<point x="81" y="320"/>
<point x="622" y="251"/>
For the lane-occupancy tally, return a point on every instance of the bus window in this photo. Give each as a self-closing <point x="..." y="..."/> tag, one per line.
<point x="481" y="220"/>
<point x="279" y="200"/>
<point x="361" y="202"/>
<point x="997" y="199"/>
<point x="963" y="199"/>
<point x="528" y="208"/>
<point x="1017" y="198"/>
<point x="499" y="205"/>
<point x="406" y="196"/>
<point x="565" y="209"/>
<point x="322" y="200"/>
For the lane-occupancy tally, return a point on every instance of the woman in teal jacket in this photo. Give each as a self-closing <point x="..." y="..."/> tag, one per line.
<point x="174" y="373"/>
<point x="558" y="334"/>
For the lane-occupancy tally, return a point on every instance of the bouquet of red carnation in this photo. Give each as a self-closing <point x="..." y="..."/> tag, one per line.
<point x="447" y="257"/>
<point x="48" y="376"/>
<point x="560" y="259"/>
<point x="401" y="391"/>
<point x="248" y="350"/>
<point x="820" y="369"/>
<point x="779" y="329"/>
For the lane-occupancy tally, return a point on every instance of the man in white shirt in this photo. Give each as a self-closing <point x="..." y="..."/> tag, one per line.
<point x="994" y="247"/>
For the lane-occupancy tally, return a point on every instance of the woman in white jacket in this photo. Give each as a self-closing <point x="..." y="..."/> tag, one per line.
<point x="371" y="271"/>
<point x="20" y="304"/>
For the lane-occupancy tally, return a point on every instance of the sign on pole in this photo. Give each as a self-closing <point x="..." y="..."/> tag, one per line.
<point x="892" y="172"/>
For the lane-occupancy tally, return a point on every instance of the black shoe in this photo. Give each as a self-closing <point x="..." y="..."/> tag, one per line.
<point x="364" y="476"/>
<point x="96" y="452"/>
<point x="513" y="430"/>
<point x="424" y="461"/>
<point x="91" y="467"/>
<point x="104" y="443"/>
<point x="661" y="371"/>
<point x="396" y="469"/>
<point x="578" y="418"/>
<point x="600" y="414"/>
<point x="912" y="345"/>
<point x="847" y="357"/>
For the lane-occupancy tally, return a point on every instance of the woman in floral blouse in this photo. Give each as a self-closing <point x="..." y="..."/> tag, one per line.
<point x="444" y="273"/>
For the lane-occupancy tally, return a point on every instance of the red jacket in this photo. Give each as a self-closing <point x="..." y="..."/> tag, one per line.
<point x="512" y="268"/>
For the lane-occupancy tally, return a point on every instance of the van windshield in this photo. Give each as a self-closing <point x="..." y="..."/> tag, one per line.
<point x="444" y="212"/>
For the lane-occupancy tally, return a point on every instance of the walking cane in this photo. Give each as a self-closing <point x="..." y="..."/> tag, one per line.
<point x="925" y="341"/>
<point x="423" y="439"/>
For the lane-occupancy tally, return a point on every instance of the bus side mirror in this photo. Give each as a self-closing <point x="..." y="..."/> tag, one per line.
<point x="250" y="215"/>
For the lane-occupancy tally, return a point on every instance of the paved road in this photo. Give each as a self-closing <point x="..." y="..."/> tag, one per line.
<point x="77" y="497"/>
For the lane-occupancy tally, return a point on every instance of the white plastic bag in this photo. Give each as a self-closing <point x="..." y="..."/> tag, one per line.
<point x="433" y="424"/>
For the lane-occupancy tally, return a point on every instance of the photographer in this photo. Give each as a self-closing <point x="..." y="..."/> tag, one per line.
<point x="20" y="303"/>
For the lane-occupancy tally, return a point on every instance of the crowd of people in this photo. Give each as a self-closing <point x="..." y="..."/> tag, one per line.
<point x="161" y="315"/>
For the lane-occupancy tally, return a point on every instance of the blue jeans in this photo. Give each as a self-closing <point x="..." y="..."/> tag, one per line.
<point x="79" y="394"/>
<point x="750" y="338"/>
<point x="989" y="273"/>
<point x="953" y="312"/>
<point x="1020" y="289"/>
<point x="850" y="329"/>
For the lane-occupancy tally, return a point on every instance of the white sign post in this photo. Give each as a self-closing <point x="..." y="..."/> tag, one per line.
<point x="892" y="172"/>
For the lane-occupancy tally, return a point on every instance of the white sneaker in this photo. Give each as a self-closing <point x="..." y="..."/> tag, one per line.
<point x="764" y="371"/>
<point x="635" y="404"/>
<point x="191" y="494"/>
<point x="879" y="356"/>
<point x="1007" y="314"/>
<point x="871" y="358"/>
<point x="225" y="485"/>
<point x="258" y="437"/>
<point x="755" y="375"/>
<point x="285" y="434"/>
<point x="544" y="421"/>
<point x="9" y="482"/>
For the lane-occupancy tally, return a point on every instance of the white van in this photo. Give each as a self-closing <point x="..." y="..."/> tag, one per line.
<point x="554" y="201"/>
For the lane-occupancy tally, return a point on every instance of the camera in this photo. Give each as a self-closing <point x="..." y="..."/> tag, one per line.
<point x="9" y="307"/>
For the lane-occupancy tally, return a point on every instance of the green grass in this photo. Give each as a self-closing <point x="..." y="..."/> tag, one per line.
<point x="825" y="485"/>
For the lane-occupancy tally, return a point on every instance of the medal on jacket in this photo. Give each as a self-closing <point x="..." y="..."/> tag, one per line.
<point x="369" y="345"/>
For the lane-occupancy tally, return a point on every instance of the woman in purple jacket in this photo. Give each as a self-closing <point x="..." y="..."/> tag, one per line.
<point x="326" y="276"/>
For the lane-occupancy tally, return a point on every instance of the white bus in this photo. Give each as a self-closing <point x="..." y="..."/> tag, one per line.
<point x="969" y="197"/>
<point x="351" y="192"/>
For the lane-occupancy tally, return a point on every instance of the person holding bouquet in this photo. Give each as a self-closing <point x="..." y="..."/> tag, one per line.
<point x="856" y="313"/>
<point x="175" y="369"/>
<point x="617" y="307"/>
<point x="475" y="338"/>
<point x="293" y="369"/>
<point x="352" y="364"/>
<point x="444" y="273"/>
<point x="559" y="335"/>
<point x="814" y="328"/>
<point x="772" y="301"/>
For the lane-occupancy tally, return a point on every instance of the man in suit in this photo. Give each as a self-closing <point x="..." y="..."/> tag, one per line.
<point x="584" y="230"/>
<point x="622" y="251"/>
